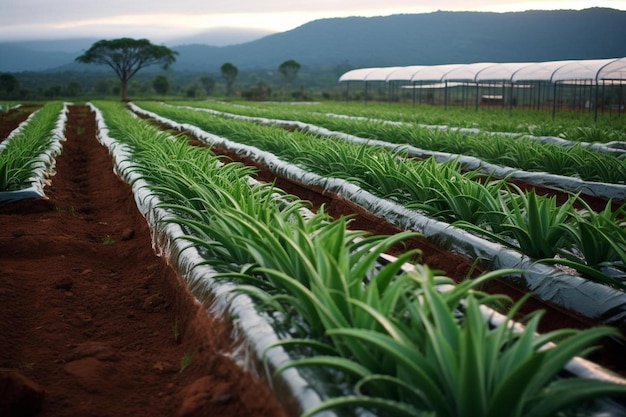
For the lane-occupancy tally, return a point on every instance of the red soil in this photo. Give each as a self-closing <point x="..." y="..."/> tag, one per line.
<point x="87" y="311"/>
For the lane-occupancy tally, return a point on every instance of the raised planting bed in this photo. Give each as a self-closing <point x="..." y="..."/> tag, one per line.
<point x="587" y="298"/>
<point x="27" y="155"/>
<point x="187" y="265"/>
<point x="615" y="191"/>
<point x="96" y="321"/>
<point x="129" y="361"/>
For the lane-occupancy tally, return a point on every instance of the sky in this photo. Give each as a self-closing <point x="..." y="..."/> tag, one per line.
<point x="164" y="20"/>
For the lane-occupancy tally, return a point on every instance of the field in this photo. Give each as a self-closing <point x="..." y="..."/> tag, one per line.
<point x="104" y="326"/>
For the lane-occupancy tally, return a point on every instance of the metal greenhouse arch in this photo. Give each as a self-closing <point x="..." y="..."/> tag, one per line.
<point x="586" y="85"/>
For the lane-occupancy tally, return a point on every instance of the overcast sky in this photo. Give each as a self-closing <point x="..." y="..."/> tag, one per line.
<point x="161" y="20"/>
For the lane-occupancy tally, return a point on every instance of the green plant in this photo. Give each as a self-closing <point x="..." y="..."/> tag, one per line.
<point x="600" y="237"/>
<point x="533" y="224"/>
<point x="463" y="366"/>
<point x="185" y="361"/>
<point x="108" y="240"/>
<point x="406" y="344"/>
<point x="21" y="154"/>
<point x="441" y="190"/>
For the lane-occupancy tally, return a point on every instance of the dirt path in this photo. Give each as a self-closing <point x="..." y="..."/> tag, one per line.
<point x="88" y="312"/>
<point x="11" y="119"/>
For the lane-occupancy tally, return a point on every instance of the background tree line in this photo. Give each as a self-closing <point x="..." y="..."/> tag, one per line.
<point x="132" y="80"/>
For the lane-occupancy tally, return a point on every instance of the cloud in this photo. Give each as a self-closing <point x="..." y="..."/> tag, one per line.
<point x="160" y="19"/>
<point x="63" y="11"/>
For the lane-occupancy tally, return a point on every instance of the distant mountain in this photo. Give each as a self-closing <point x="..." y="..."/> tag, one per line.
<point x="221" y="37"/>
<point x="432" y="38"/>
<point x="408" y="39"/>
<point x="40" y="55"/>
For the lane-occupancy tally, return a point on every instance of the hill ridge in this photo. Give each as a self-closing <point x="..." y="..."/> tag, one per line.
<point x="403" y="39"/>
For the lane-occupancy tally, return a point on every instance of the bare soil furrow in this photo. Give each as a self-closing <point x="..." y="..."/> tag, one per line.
<point x="94" y="318"/>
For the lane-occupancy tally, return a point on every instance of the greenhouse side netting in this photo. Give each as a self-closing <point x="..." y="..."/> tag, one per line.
<point x="589" y="85"/>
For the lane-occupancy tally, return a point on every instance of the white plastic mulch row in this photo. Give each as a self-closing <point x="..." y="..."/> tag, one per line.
<point x="592" y="300"/>
<point x="258" y="334"/>
<point x="614" y="146"/>
<point x="543" y="179"/>
<point x="252" y="332"/>
<point x="577" y="366"/>
<point x="16" y="131"/>
<point x="46" y="160"/>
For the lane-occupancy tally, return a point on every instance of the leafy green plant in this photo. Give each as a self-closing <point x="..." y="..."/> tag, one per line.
<point x="108" y="240"/>
<point x="20" y="155"/>
<point x="595" y="133"/>
<point x="408" y="346"/>
<point x="441" y="190"/>
<point x="600" y="236"/>
<point x="546" y="129"/>
<point x="518" y="152"/>
<point x="451" y="365"/>
<point x="185" y="361"/>
<point x="532" y="224"/>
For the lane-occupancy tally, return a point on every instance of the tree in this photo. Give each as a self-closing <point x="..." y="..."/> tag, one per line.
<point x="161" y="84"/>
<point x="289" y="70"/>
<point x="229" y="72"/>
<point x="9" y="86"/>
<point x="127" y="56"/>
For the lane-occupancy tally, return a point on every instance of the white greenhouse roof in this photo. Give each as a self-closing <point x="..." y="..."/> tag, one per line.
<point x="595" y="70"/>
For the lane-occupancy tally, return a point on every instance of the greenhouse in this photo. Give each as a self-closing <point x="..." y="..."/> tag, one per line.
<point x="588" y="85"/>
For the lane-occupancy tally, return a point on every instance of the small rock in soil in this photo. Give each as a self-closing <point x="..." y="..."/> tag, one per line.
<point x="98" y="350"/>
<point x="18" y="233"/>
<point x="128" y="234"/>
<point x="164" y="367"/>
<point x="221" y="398"/>
<point x="64" y="284"/>
<point x="154" y="304"/>
<point x="90" y="373"/>
<point x="199" y="394"/>
<point x="19" y="396"/>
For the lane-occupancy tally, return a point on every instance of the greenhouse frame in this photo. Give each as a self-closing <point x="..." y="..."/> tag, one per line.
<point x="590" y="85"/>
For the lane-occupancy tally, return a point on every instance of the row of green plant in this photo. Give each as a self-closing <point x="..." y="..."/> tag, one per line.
<point x="396" y="342"/>
<point x="528" y="155"/>
<point x="20" y="155"/>
<point x="575" y="126"/>
<point x="532" y="224"/>
<point x="5" y="107"/>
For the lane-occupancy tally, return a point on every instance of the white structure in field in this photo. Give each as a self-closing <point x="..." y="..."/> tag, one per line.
<point x="568" y="84"/>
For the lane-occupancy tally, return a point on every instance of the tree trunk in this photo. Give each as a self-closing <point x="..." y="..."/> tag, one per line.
<point x="124" y="83"/>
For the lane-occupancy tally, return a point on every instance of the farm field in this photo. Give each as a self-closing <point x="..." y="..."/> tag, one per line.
<point x="91" y="212"/>
<point x="93" y="317"/>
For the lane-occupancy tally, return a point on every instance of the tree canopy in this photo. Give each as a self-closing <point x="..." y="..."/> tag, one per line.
<point x="229" y="72"/>
<point x="126" y="56"/>
<point x="161" y="84"/>
<point x="9" y="86"/>
<point x="289" y="70"/>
